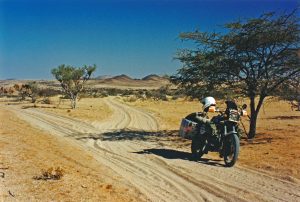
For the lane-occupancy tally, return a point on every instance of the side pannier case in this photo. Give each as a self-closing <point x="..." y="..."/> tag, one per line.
<point x="187" y="129"/>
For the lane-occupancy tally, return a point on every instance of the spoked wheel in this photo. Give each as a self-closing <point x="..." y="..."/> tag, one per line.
<point x="231" y="150"/>
<point x="197" y="148"/>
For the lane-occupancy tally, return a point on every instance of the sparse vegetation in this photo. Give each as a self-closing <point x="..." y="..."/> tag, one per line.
<point x="139" y="94"/>
<point x="48" y="92"/>
<point x="30" y="90"/>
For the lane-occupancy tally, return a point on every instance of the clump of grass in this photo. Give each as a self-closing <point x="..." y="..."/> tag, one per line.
<point x="130" y="99"/>
<point x="50" y="174"/>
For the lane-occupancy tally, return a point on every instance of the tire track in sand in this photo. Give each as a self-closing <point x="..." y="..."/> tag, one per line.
<point x="159" y="178"/>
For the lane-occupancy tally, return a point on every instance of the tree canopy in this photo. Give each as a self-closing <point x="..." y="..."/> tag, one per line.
<point x="72" y="79"/>
<point x="252" y="58"/>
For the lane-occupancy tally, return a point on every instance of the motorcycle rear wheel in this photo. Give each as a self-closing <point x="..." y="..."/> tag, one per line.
<point x="231" y="150"/>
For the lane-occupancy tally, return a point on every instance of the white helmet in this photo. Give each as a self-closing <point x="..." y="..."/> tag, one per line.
<point x="207" y="102"/>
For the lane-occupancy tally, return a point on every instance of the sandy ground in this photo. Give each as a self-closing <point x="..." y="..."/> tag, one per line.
<point x="26" y="151"/>
<point x="131" y="145"/>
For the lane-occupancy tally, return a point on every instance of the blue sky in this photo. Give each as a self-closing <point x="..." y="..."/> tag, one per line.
<point x="130" y="37"/>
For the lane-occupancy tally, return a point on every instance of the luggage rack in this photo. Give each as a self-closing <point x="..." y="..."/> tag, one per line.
<point x="187" y="129"/>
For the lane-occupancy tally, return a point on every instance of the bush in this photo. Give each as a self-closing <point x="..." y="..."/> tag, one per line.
<point x="51" y="174"/>
<point x="156" y="94"/>
<point x="48" y="92"/>
<point x="46" y="100"/>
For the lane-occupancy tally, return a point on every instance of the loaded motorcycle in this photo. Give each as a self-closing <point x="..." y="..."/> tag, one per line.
<point x="219" y="134"/>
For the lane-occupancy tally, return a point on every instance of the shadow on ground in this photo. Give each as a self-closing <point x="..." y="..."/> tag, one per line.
<point x="126" y="134"/>
<point x="284" y="117"/>
<point x="39" y="106"/>
<point x="163" y="138"/>
<point x="175" y="154"/>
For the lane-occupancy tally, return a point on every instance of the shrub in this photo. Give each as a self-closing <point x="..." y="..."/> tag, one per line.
<point x="48" y="92"/>
<point x="50" y="174"/>
<point x="46" y="100"/>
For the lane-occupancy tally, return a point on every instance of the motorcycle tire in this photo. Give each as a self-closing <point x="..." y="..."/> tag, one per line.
<point x="197" y="148"/>
<point x="231" y="150"/>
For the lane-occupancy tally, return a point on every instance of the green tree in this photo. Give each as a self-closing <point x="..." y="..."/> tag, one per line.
<point x="253" y="57"/>
<point x="72" y="79"/>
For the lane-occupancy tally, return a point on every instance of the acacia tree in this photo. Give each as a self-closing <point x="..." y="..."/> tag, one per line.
<point x="72" y="79"/>
<point x="254" y="57"/>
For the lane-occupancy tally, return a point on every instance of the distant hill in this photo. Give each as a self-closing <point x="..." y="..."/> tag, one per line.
<point x="122" y="77"/>
<point x="151" y="81"/>
<point x="123" y="80"/>
<point x="152" y="77"/>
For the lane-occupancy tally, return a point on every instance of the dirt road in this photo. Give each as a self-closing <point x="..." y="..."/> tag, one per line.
<point x="128" y="144"/>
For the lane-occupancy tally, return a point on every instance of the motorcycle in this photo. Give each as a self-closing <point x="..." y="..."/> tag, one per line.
<point x="219" y="134"/>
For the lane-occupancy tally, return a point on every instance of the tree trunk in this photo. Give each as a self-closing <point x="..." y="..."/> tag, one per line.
<point x="253" y="118"/>
<point x="33" y="99"/>
<point x="253" y="115"/>
<point x="73" y="101"/>
<point x="252" y="129"/>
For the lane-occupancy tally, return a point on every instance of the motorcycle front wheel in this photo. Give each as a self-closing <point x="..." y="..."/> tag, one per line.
<point x="231" y="150"/>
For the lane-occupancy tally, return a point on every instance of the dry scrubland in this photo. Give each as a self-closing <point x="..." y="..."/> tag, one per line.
<point x="276" y="148"/>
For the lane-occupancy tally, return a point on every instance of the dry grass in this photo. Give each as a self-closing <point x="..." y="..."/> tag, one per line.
<point x="170" y="112"/>
<point x="276" y="148"/>
<point x="92" y="109"/>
